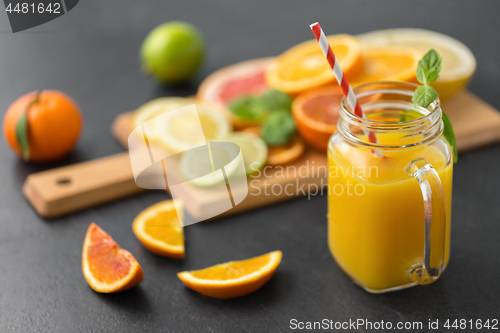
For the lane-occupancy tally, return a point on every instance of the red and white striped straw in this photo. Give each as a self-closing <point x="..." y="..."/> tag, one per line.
<point x="352" y="101"/>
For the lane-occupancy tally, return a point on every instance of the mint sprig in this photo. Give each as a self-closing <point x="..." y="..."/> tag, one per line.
<point x="428" y="70"/>
<point x="257" y="108"/>
<point x="272" y="110"/>
<point x="248" y="108"/>
<point x="279" y="128"/>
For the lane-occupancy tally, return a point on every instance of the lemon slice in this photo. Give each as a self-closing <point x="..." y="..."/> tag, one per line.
<point x="178" y="132"/>
<point x="458" y="64"/>
<point x="253" y="149"/>
<point x="157" y="107"/>
<point x="197" y="166"/>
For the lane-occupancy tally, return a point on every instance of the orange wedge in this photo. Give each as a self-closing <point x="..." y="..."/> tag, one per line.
<point x="305" y="67"/>
<point x="159" y="229"/>
<point x="316" y="113"/>
<point x="234" y="278"/>
<point x="388" y="63"/>
<point x="281" y="155"/>
<point x="106" y="266"/>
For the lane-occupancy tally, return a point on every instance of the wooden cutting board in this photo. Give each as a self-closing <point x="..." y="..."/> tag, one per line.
<point x="67" y="189"/>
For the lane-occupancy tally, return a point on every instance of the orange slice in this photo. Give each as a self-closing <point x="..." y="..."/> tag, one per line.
<point x="281" y="155"/>
<point x="106" y="266"/>
<point x="316" y="113"/>
<point x="305" y="67"/>
<point x="159" y="229"/>
<point x="388" y="63"/>
<point x="286" y="154"/>
<point x="234" y="278"/>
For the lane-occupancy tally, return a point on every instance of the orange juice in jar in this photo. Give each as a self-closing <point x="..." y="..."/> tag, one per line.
<point x="389" y="212"/>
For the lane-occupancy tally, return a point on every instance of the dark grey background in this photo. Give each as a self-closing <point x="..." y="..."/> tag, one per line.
<point x="91" y="53"/>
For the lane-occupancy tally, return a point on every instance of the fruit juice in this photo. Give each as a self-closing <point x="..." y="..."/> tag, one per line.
<point x="376" y="230"/>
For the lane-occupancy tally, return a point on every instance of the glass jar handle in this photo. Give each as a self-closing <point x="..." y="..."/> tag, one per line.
<point x="435" y="222"/>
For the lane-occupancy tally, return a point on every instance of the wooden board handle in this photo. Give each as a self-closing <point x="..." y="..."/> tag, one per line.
<point x="70" y="188"/>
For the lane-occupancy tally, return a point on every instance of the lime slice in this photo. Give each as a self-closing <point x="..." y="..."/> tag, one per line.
<point x="157" y="107"/>
<point x="253" y="149"/>
<point x="458" y="63"/>
<point x="180" y="132"/>
<point x="201" y="166"/>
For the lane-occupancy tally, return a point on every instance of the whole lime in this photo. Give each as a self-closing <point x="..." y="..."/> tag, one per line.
<point x="173" y="52"/>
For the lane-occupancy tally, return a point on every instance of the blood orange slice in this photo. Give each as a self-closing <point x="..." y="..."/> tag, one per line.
<point x="106" y="266"/>
<point x="316" y="113"/>
<point x="232" y="82"/>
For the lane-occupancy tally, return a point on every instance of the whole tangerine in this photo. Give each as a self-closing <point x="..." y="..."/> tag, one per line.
<point x="47" y="121"/>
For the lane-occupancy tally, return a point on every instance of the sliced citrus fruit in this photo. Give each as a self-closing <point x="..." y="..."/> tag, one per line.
<point x="253" y="149"/>
<point x="304" y="66"/>
<point x="232" y="82"/>
<point x="286" y="154"/>
<point x="316" y="113"/>
<point x="157" y="107"/>
<point x="199" y="169"/>
<point x="178" y="132"/>
<point x="234" y="278"/>
<point x="106" y="266"/>
<point x="458" y="63"/>
<point x="159" y="229"/>
<point x="389" y="63"/>
<point x="281" y="155"/>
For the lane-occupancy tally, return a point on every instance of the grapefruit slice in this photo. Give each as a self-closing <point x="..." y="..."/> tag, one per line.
<point x="316" y="113"/>
<point x="458" y="65"/>
<point x="232" y="82"/>
<point x="159" y="229"/>
<point x="106" y="266"/>
<point x="304" y="66"/>
<point x="234" y="278"/>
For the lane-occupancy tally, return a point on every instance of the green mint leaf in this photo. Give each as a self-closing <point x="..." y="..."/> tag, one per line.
<point x="249" y="108"/>
<point x="429" y="67"/>
<point x="22" y="134"/>
<point x="277" y="100"/>
<point x="279" y="128"/>
<point x="450" y="136"/>
<point x="424" y="95"/>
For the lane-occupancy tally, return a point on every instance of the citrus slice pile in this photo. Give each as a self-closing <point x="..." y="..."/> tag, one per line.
<point x="159" y="229"/>
<point x="106" y="266"/>
<point x="234" y="278"/>
<point x="178" y="132"/>
<point x="316" y="114"/>
<point x="304" y="66"/>
<point x="232" y="82"/>
<point x="458" y="64"/>
<point x="389" y="63"/>
<point x="253" y="149"/>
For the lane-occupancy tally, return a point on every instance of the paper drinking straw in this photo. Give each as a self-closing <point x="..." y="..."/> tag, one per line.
<point x="352" y="101"/>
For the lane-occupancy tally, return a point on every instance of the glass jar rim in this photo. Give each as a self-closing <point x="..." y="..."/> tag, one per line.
<point x="429" y="125"/>
<point x="426" y="112"/>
